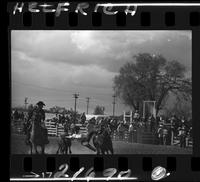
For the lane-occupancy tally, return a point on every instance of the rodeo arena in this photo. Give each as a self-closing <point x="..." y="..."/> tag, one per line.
<point x="134" y="132"/>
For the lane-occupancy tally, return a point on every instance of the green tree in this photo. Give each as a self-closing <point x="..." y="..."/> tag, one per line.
<point x="99" y="110"/>
<point x="151" y="77"/>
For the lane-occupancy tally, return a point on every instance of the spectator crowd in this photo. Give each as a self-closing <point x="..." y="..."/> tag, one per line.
<point x="164" y="129"/>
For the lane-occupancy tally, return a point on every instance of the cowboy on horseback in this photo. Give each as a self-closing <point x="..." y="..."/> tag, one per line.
<point x="91" y="128"/>
<point x="102" y="140"/>
<point x="41" y="119"/>
<point x="37" y="115"/>
<point x="94" y="130"/>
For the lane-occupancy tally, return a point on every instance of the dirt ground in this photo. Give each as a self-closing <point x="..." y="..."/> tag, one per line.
<point x="120" y="147"/>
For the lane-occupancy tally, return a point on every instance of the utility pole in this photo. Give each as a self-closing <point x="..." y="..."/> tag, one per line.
<point x="87" y="103"/>
<point x="75" y="97"/>
<point x="114" y="96"/>
<point x="25" y="102"/>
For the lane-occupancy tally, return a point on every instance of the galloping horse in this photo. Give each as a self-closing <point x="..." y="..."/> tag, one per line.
<point x="101" y="141"/>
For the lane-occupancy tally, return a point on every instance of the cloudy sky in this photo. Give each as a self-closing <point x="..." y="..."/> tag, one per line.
<point x="53" y="65"/>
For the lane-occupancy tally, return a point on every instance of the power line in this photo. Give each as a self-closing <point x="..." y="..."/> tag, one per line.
<point x="70" y="91"/>
<point x="114" y="96"/>
<point x="75" y="97"/>
<point x="87" y="103"/>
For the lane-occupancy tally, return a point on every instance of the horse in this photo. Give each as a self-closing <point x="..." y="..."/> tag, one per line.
<point x="101" y="141"/>
<point x="64" y="145"/>
<point x="37" y="137"/>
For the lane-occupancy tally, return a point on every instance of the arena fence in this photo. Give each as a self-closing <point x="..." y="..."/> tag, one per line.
<point x="17" y="127"/>
<point x="53" y="128"/>
<point x="58" y="129"/>
<point x="189" y="142"/>
<point x="116" y="136"/>
<point x="145" y="138"/>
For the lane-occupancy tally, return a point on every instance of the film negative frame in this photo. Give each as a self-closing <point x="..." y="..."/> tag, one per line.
<point x="148" y="16"/>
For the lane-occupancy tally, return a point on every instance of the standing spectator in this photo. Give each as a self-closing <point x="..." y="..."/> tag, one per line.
<point x="83" y="118"/>
<point x="182" y="135"/>
<point x="145" y="121"/>
<point x="59" y="118"/>
<point x="72" y="128"/>
<point x="77" y="129"/>
<point x="162" y="121"/>
<point x="183" y="122"/>
<point x="66" y="128"/>
<point x="172" y="121"/>
<point x="157" y="121"/>
<point x="164" y="135"/>
<point x="112" y="125"/>
<point x="170" y="135"/>
<point x="160" y="134"/>
<point x="126" y="125"/>
<point x="175" y="124"/>
<point x="98" y="121"/>
<point x="68" y="119"/>
<point x="152" y="123"/>
<point x="148" y="124"/>
<point x="116" y="124"/>
<point x="68" y="122"/>
<point x="131" y="131"/>
<point x="190" y="132"/>
<point x="121" y="130"/>
<point x="62" y="120"/>
<point x="136" y="116"/>
<point x="103" y="122"/>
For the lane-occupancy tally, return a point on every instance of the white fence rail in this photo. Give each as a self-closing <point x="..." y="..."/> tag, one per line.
<point x="58" y="129"/>
<point x="51" y="127"/>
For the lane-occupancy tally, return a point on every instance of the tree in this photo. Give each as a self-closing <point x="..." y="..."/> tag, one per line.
<point x="57" y="109"/>
<point x="151" y="77"/>
<point x="180" y="108"/>
<point x="99" y="110"/>
<point x="30" y="107"/>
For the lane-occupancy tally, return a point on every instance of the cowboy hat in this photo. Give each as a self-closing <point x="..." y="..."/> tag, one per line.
<point x="40" y="103"/>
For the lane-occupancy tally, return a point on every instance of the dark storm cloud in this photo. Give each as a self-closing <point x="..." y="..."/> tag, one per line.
<point x="87" y="61"/>
<point x="103" y="48"/>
